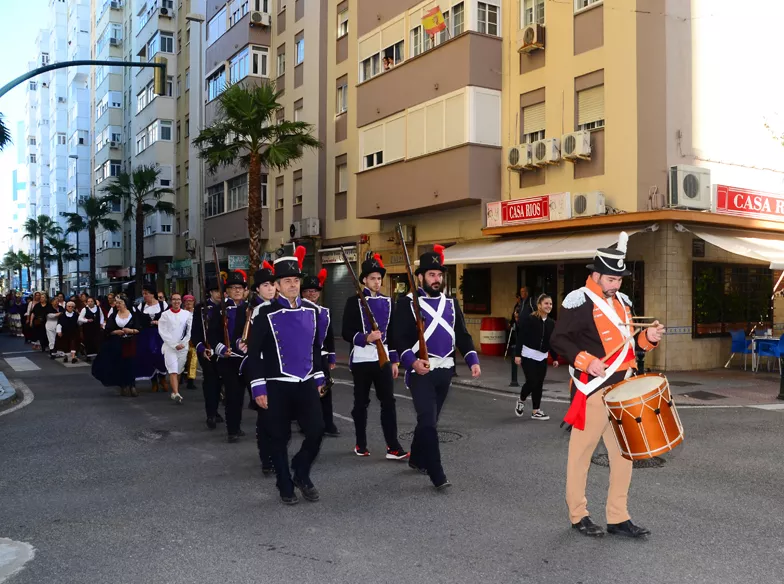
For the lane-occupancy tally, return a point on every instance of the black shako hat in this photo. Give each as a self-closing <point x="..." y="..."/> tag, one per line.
<point x="212" y="284"/>
<point x="264" y="274"/>
<point x="290" y="266"/>
<point x="372" y="265"/>
<point x="235" y="279"/>
<point x="314" y="282"/>
<point x="432" y="260"/>
<point x="611" y="261"/>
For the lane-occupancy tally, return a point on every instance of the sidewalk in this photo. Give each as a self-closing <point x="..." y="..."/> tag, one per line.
<point x="716" y="387"/>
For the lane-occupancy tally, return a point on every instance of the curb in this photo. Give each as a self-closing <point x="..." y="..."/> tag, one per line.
<point x="8" y="393"/>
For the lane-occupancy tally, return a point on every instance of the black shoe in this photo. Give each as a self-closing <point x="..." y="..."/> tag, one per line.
<point x="233" y="438"/>
<point x="240" y="433"/>
<point x="267" y="469"/>
<point x="291" y="499"/>
<point x="587" y="527"/>
<point x="74" y="360"/>
<point x="211" y="423"/>
<point x="442" y="485"/>
<point x="309" y="492"/>
<point x="419" y="469"/>
<point x="190" y="385"/>
<point x="219" y="419"/>
<point x="332" y="432"/>
<point x="628" y="529"/>
<point x="65" y="359"/>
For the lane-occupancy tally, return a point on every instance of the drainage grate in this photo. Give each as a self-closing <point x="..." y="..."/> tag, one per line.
<point x="683" y="383"/>
<point x="152" y="435"/>
<point x="655" y="462"/>
<point x="703" y="395"/>
<point x="444" y="436"/>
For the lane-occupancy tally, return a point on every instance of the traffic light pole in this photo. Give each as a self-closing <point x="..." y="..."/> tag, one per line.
<point x="159" y="63"/>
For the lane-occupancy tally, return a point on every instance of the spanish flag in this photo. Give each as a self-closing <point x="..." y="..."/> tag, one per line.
<point x="433" y="21"/>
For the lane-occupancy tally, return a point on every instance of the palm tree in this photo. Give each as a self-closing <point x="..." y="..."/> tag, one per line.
<point x="26" y="260"/>
<point x="141" y="197"/>
<point x="40" y="229"/>
<point x="96" y="215"/>
<point x="245" y="130"/>
<point x="5" y="135"/>
<point x="61" y="251"/>
<point x="7" y="265"/>
<point x="11" y="263"/>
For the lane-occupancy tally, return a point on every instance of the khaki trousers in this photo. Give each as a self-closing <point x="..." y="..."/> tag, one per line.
<point x="582" y="444"/>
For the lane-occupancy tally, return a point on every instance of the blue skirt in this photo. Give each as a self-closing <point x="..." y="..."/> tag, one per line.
<point x="115" y="364"/>
<point x="149" y="357"/>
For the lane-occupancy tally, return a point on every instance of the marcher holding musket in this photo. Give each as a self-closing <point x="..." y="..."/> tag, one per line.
<point x="204" y="313"/>
<point x="367" y="327"/>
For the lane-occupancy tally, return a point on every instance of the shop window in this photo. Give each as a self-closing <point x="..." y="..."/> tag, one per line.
<point x="475" y="286"/>
<point x="729" y="297"/>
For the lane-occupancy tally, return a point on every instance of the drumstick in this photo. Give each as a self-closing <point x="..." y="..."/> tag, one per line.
<point x="643" y="317"/>
<point x="621" y="344"/>
<point x="639" y="324"/>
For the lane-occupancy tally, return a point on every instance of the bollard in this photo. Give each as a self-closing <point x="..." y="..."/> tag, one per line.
<point x="781" y="381"/>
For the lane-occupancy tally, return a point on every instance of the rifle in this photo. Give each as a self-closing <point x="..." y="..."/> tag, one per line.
<point x="248" y="313"/>
<point x="205" y="294"/>
<point x="420" y="324"/>
<point x="226" y="340"/>
<point x="383" y="359"/>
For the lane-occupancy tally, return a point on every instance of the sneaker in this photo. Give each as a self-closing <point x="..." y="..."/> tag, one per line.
<point x="219" y="419"/>
<point x="539" y="415"/>
<point x="397" y="454"/>
<point x="361" y="451"/>
<point x="65" y="359"/>
<point x="133" y="391"/>
<point x="419" y="469"/>
<point x="176" y="398"/>
<point x="211" y="423"/>
<point x="444" y="485"/>
<point x="520" y="408"/>
<point x="309" y="491"/>
<point x="332" y="432"/>
<point x="74" y="360"/>
<point x="291" y="499"/>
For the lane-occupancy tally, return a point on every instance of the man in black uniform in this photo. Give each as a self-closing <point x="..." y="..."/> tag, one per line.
<point x="211" y="385"/>
<point x="363" y="362"/>
<point x="230" y="357"/>
<point x="286" y="376"/>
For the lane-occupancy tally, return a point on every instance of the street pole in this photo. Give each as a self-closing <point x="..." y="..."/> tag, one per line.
<point x="76" y="188"/>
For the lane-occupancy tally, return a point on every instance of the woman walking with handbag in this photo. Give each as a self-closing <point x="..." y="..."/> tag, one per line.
<point x="533" y="346"/>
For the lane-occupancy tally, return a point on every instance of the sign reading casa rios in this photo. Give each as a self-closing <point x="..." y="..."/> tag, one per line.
<point x="749" y="203"/>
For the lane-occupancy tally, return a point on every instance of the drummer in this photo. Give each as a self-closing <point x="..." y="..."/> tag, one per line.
<point x="596" y="319"/>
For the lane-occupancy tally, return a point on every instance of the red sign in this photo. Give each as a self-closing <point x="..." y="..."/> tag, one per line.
<point x="749" y="203"/>
<point x="526" y="210"/>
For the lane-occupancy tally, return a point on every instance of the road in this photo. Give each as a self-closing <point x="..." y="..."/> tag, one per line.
<point x="121" y="490"/>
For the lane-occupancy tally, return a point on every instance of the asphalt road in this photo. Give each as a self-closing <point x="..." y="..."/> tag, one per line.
<point x="109" y="489"/>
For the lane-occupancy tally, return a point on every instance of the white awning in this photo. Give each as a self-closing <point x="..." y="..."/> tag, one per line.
<point x="572" y="246"/>
<point x="759" y="246"/>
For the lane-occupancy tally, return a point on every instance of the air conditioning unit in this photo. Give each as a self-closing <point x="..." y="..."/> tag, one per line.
<point x="115" y="4"/>
<point x="114" y="144"/>
<point x="295" y="230"/>
<point x="520" y="156"/>
<point x="310" y="227"/>
<point x="259" y="18"/>
<point x="547" y="151"/>
<point x="690" y="187"/>
<point x="576" y="146"/>
<point x="115" y="42"/>
<point x="165" y="12"/>
<point x="531" y="38"/>
<point x="588" y="204"/>
<point x="190" y="245"/>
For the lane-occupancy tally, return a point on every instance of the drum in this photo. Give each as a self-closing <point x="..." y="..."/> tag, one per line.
<point x="643" y="416"/>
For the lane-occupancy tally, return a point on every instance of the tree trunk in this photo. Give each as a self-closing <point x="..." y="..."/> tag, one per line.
<point x="254" y="212"/>
<point x="20" y="278"/>
<point x="41" y="260"/>
<point x="29" y="281"/>
<point x="139" y="250"/>
<point x="60" y="273"/>
<point x="91" y="237"/>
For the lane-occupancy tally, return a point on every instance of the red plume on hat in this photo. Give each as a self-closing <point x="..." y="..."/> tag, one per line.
<point x="322" y="277"/>
<point x="378" y="259"/>
<point x="299" y="253"/>
<point x="439" y="249"/>
<point x="267" y="266"/>
<point x="244" y="274"/>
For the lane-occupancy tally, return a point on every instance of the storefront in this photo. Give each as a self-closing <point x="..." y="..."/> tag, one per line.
<point x="340" y="285"/>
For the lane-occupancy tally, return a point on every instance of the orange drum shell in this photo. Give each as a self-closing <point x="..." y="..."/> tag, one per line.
<point x="624" y="414"/>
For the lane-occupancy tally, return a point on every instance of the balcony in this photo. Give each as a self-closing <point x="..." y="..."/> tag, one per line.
<point x="159" y="245"/>
<point x="110" y="257"/>
<point x="466" y="175"/>
<point x="233" y="226"/>
<point x="234" y="39"/>
<point x="468" y="59"/>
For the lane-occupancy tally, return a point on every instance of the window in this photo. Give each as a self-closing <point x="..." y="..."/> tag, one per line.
<point x="392" y="56"/>
<point x="44" y="59"/>
<point x="369" y="68"/>
<point x="187" y="133"/>
<point x="342" y="98"/>
<point x="262" y="5"/>
<point x="32" y="85"/>
<point x="216" y="84"/>
<point x="179" y="133"/>
<point x="32" y="159"/>
<point x="488" y="18"/>
<point x="580" y="4"/>
<point x="167" y="42"/>
<point x="214" y="204"/>
<point x="238" y="66"/>
<point x="298" y="191"/>
<point x="238" y="193"/>
<point x="279" y="192"/>
<point x="590" y="108"/>
<point x="169" y="86"/>
<point x="31" y="140"/>
<point x="61" y="139"/>
<point x="237" y="9"/>
<point x="458" y="15"/>
<point x="416" y="41"/>
<point x="179" y="42"/>
<point x="300" y="51"/>
<point x="166" y="227"/>
<point x="343" y="24"/>
<point x="165" y="130"/>
<point x="342" y="171"/>
<point x="187" y="79"/>
<point x="298" y="107"/>
<point x="533" y="12"/>
<point x="259" y="60"/>
<point x="179" y="86"/>
<point x="374" y="159"/>
<point x="115" y="167"/>
<point x="533" y="123"/>
<point x="216" y="26"/>
<point x="281" y="62"/>
<point x="264" y="191"/>
<point x="475" y="285"/>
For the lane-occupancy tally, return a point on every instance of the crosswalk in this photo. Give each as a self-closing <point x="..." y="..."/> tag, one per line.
<point x="20" y="364"/>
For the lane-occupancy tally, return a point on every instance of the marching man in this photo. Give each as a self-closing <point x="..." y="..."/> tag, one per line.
<point x="595" y="320"/>
<point x="174" y="326"/>
<point x="429" y="380"/>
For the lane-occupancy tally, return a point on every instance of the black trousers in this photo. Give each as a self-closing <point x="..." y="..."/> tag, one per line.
<point x="514" y="371"/>
<point x="429" y="393"/>
<point x="229" y="369"/>
<point x="263" y="440"/>
<point x="535" y="372"/>
<point x="365" y="375"/>
<point x="211" y="385"/>
<point x="326" y="401"/>
<point x="289" y="401"/>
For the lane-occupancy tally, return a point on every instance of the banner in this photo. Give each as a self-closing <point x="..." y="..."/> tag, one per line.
<point x="433" y="21"/>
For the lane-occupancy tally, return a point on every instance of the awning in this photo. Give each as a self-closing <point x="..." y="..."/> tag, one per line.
<point x="572" y="246"/>
<point x="760" y="246"/>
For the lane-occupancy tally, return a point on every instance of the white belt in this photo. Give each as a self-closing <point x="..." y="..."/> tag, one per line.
<point x="292" y="379"/>
<point x="441" y="362"/>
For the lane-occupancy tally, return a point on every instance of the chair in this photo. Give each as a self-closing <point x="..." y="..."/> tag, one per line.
<point x="772" y="349"/>
<point x="740" y="345"/>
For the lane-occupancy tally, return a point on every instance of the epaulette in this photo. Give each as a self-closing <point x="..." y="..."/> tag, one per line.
<point x="574" y="299"/>
<point x="624" y="298"/>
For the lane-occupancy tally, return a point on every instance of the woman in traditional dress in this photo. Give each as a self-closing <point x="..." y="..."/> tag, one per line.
<point x="68" y="332"/>
<point x="115" y="364"/>
<point x="92" y="321"/>
<point x="16" y="311"/>
<point x="40" y="312"/>
<point x="149" y="358"/>
<point x="51" y="325"/>
<point x="29" y="331"/>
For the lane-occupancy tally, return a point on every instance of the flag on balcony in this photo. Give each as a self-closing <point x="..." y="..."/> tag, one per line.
<point x="433" y="21"/>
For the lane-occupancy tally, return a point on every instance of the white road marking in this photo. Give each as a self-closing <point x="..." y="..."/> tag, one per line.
<point x="27" y="398"/>
<point x="19" y="352"/>
<point x="22" y="364"/>
<point x="343" y="417"/>
<point x="13" y="556"/>
<point x="771" y="407"/>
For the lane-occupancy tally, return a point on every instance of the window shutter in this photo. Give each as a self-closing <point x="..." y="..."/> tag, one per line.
<point x="373" y="140"/>
<point x="533" y="118"/>
<point x="590" y="105"/>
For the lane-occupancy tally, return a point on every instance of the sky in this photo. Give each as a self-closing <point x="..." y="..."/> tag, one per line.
<point x="17" y="45"/>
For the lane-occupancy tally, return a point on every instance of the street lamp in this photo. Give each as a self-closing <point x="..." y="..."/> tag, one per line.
<point x="76" y="188"/>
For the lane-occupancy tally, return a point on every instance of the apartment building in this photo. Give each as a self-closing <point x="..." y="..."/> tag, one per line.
<point x="615" y="118"/>
<point x="37" y="93"/>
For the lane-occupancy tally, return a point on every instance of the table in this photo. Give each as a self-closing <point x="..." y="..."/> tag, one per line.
<point x="755" y="342"/>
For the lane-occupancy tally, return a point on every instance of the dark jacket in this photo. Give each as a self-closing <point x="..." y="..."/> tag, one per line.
<point x="535" y="334"/>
